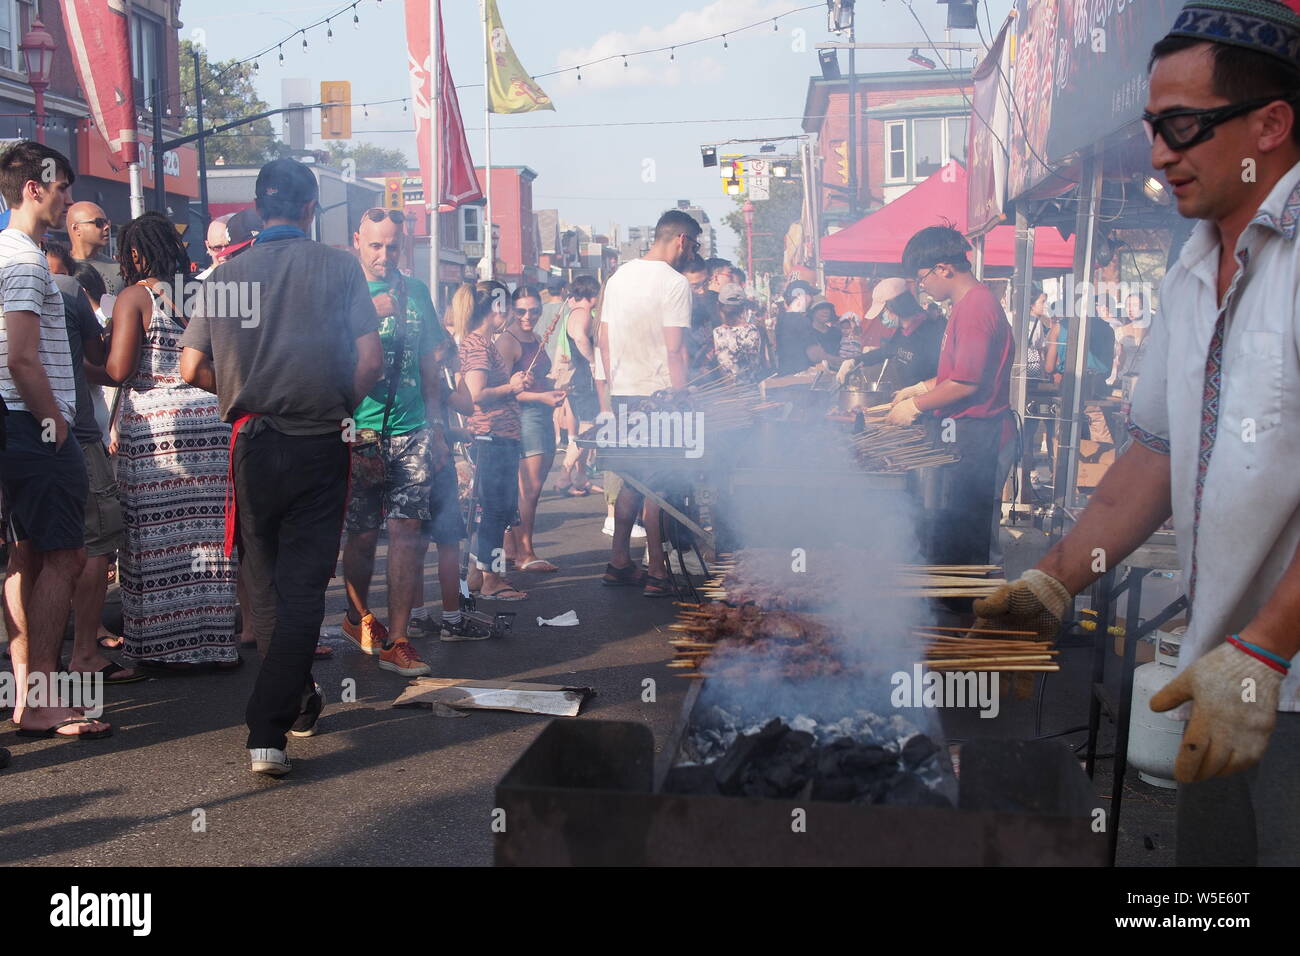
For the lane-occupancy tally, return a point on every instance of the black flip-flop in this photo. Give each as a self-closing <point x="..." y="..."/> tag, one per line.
<point x="657" y="587"/>
<point x="70" y="722"/>
<point x="109" y="669"/>
<point x="628" y="577"/>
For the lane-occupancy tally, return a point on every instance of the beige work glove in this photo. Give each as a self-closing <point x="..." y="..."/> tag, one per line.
<point x="1033" y="602"/>
<point x="904" y="413"/>
<point x="903" y="394"/>
<point x="1234" y="707"/>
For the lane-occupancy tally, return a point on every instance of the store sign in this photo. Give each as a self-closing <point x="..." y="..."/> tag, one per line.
<point x="180" y="166"/>
<point x="1100" y="71"/>
<point x="1080" y="77"/>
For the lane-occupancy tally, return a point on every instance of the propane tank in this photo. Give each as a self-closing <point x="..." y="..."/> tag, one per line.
<point x="1154" y="739"/>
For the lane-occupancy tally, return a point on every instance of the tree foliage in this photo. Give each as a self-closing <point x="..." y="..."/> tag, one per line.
<point x="228" y="95"/>
<point x="772" y="219"/>
<point x="370" y="159"/>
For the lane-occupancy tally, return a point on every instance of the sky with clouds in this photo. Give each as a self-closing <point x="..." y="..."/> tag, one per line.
<point x="624" y="142"/>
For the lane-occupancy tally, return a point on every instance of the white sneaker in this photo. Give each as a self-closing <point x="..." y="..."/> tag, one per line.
<point x="270" y="761"/>
<point x="608" y="529"/>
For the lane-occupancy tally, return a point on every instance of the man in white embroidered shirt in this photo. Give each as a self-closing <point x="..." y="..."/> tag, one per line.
<point x="1216" y="423"/>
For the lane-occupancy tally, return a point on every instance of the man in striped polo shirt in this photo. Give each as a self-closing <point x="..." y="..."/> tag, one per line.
<point x="42" y="471"/>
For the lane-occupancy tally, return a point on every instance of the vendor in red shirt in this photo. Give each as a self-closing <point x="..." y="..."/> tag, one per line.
<point x="970" y="395"/>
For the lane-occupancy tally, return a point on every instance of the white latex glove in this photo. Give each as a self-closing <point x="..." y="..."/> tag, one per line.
<point x="846" y="370"/>
<point x="904" y="413"/>
<point x="902" y="395"/>
<point x="1234" y="708"/>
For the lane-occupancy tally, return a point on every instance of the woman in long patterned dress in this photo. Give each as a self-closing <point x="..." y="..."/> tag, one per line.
<point x="173" y="454"/>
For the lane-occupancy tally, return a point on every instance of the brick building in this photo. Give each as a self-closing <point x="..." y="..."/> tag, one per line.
<point x="154" y="31"/>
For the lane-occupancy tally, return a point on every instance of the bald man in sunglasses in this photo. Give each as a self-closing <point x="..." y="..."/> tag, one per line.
<point x="90" y="232"/>
<point x="1216" y="428"/>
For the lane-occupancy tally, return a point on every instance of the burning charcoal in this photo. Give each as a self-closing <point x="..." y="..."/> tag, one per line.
<point x="803" y="723"/>
<point x="866" y="760"/>
<point x="730" y="770"/>
<point x="916" y="750"/>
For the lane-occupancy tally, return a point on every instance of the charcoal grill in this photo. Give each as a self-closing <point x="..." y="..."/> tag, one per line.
<point x="585" y="794"/>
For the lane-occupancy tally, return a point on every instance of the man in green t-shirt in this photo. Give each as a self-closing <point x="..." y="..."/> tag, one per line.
<point x="398" y="449"/>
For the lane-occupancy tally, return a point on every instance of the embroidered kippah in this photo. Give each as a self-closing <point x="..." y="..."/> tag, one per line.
<point x="1267" y="26"/>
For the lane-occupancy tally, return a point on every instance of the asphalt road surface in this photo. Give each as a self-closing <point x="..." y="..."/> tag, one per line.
<point x="380" y="785"/>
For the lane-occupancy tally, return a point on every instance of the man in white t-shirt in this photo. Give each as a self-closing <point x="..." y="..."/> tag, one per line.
<point x="42" y="469"/>
<point x="645" y="314"/>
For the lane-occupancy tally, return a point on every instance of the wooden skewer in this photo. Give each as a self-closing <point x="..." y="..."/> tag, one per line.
<point x="985" y="630"/>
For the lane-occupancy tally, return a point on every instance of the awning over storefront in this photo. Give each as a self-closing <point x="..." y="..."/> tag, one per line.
<point x="879" y="239"/>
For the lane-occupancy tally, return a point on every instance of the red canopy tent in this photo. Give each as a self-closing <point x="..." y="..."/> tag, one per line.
<point x="879" y="238"/>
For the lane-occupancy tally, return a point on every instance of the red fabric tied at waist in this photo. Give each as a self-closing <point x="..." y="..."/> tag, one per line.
<point x="232" y="520"/>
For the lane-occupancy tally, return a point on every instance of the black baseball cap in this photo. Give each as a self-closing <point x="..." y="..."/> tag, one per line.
<point x="244" y="225"/>
<point x="287" y="180"/>
<point x="799" y="285"/>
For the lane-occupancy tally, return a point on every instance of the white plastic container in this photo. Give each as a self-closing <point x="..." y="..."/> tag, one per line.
<point x="1154" y="739"/>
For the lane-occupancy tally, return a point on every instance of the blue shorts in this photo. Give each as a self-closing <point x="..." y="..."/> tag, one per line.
<point x="45" y="489"/>
<point x="537" y="423"/>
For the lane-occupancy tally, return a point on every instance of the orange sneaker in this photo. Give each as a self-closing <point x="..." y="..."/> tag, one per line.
<point x="402" y="659"/>
<point x="369" y="635"/>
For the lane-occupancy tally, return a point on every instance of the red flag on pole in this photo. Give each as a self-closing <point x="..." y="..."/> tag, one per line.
<point x="457" y="183"/>
<point x="101" y="53"/>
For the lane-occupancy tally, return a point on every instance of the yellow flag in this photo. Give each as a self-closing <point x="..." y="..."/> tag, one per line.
<point x="510" y="87"/>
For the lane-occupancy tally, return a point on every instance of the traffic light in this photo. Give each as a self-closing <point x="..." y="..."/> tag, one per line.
<point x="841" y="151"/>
<point x="336" y="120"/>
<point x="732" y="169"/>
<point x="393" y="198"/>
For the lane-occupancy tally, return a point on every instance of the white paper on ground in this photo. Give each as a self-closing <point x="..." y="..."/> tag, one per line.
<point x="524" y="697"/>
<point x="567" y="619"/>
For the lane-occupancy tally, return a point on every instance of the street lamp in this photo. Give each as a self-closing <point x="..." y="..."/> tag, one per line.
<point x="37" y="48"/>
<point x="748" y="210"/>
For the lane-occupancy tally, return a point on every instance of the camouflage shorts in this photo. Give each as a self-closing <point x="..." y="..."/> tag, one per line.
<point x="390" y="479"/>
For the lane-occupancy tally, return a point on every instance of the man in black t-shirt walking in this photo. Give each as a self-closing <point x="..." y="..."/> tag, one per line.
<point x="288" y="378"/>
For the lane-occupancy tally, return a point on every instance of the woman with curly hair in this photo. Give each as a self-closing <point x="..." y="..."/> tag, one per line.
<point x="173" y="458"/>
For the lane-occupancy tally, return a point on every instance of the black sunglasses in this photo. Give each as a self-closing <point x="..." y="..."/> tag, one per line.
<point x="1184" y="128"/>
<point x="533" y="311"/>
<point x="97" y="223"/>
<point x="379" y="215"/>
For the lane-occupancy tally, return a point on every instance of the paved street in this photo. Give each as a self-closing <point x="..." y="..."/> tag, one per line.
<point x="385" y="786"/>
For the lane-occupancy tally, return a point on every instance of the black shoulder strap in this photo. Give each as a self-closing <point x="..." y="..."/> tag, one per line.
<point x="395" y="376"/>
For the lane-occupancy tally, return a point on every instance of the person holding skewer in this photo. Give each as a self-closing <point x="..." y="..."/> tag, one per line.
<point x="520" y="345"/>
<point x="1215" y="423"/>
<point x="970" y="394"/>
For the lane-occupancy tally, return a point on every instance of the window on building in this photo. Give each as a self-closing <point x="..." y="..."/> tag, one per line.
<point x="11" y="30"/>
<point x="895" y="152"/>
<point x="471" y="223"/>
<point x="927" y="148"/>
<point x="958" y="137"/>
<point x="146" y="56"/>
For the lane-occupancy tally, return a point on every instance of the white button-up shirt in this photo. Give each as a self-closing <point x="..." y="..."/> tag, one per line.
<point x="1219" y="391"/>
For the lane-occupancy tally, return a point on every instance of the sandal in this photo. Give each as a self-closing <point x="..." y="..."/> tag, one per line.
<point x="249" y="644"/>
<point x="533" y="565"/>
<point x="501" y="595"/>
<point x="323" y="651"/>
<point x="578" y="492"/>
<point x="70" y="722"/>
<point x="628" y="577"/>
<point x="110" y="642"/>
<point x="657" y="587"/>
<point x="110" y="669"/>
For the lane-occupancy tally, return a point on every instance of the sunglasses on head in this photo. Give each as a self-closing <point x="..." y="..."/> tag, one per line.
<point x="1184" y="128"/>
<point x="379" y="215"/>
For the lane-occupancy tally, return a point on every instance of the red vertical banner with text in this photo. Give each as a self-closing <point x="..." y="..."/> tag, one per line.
<point x="449" y="178"/>
<point x="101" y="53"/>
